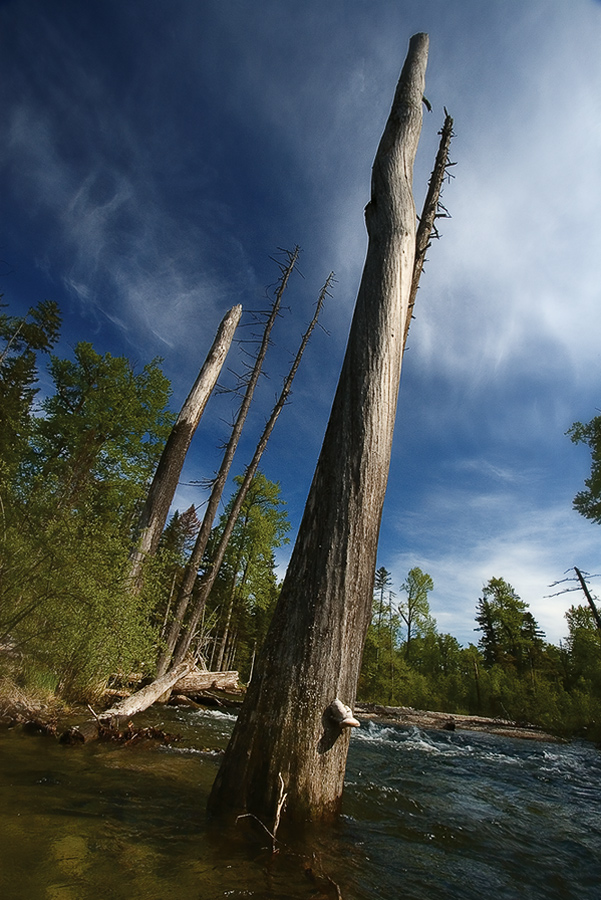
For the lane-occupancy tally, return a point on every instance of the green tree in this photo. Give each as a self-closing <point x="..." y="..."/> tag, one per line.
<point x="21" y="339"/>
<point x="163" y="571"/>
<point x="382" y="581"/>
<point x="415" y="608"/>
<point x="246" y="586"/>
<point x="101" y="432"/>
<point x="584" y="649"/>
<point x="511" y="637"/>
<point x="64" y="597"/>
<point x="588" y="501"/>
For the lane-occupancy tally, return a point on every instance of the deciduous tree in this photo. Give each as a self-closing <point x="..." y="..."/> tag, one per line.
<point x="415" y="608"/>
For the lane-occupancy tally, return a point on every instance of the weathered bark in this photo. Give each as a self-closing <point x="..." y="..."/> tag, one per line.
<point x="312" y="653"/>
<point x="208" y="579"/>
<point x="191" y="571"/>
<point x="130" y="706"/>
<point x="196" y="682"/>
<point x="164" y="483"/>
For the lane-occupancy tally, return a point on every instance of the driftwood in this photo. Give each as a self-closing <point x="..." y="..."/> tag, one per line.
<point x="197" y="681"/>
<point x="434" y="721"/>
<point x="130" y="706"/>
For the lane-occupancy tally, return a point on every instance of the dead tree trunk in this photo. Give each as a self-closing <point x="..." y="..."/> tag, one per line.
<point x="590" y="600"/>
<point x="208" y="579"/>
<point x="226" y="628"/>
<point x="289" y="728"/>
<point x="164" y="483"/>
<point x="191" y="570"/>
<point x="130" y="706"/>
<point x="430" y="212"/>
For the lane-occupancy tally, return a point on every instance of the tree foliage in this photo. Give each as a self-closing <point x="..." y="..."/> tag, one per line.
<point x="101" y="432"/>
<point x="510" y="634"/>
<point x="23" y="338"/>
<point x="246" y="588"/>
<point x="588" y="501"/>
<point x="73" y="468"/>
<point x="415" y="609"/>
<point x="512" y="673"/>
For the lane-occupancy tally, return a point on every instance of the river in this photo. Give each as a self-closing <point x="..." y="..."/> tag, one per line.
<point x="426" y="815"/>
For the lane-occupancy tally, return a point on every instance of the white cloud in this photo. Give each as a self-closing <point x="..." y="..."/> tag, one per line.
<point x="517" y="272"/>
<point x="463" y="538"/>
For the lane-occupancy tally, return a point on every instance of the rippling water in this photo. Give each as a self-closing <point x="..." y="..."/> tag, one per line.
<point x="461" y="815"/>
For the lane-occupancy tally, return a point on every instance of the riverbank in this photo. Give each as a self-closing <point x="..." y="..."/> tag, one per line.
<point x="436" y="721"/>
<point x="18" y="707"/>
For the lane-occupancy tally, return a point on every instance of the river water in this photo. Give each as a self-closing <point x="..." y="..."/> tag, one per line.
<point x="426" y="815"/>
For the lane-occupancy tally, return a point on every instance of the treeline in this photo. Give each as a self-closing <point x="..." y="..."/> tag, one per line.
<point x="75" y="469"/>
<point x="511" y="672"/>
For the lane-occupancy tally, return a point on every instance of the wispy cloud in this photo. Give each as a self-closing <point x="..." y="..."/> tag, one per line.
<point x="464" y="538"/>
<point x="517" y="271"/>
<point x="153" y="182"/>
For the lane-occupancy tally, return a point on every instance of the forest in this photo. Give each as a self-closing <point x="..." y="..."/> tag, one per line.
<point x="75" y="469"/>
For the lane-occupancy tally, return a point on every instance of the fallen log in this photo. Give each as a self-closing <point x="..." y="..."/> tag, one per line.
<point x="195" y="682"/>
<point x="433" y="721"/>
<point x="130" y="706"/>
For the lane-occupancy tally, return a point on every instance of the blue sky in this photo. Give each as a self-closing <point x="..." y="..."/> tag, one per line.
<point x="155" y="155"/>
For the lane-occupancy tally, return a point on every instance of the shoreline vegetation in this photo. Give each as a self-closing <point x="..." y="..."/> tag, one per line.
<point x="44" y="713"/>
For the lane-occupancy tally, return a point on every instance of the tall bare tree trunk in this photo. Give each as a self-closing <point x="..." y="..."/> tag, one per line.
<point x="312" y="655"/>
<point x="208" y="579"/>
<point x="164" y="483"/>
<point x="190" y="572"/>
<point x="589" y="598"/>
<point x="430" y="212"/>
<point x="226" y="627"/>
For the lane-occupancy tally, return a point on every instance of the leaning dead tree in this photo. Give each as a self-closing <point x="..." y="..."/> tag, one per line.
<point x="294" y="724"/>
<point x="164" y="483"/>
<point x="590" y="601"/>
<point x="432" y="210"/>
<point x="581" y="578"/>
<point x="208" y="580"/>
<point x="191" y="571"/>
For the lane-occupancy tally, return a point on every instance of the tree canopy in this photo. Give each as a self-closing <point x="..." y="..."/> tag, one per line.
<point x="74" y="466"/>
<point x="588" y="501"/>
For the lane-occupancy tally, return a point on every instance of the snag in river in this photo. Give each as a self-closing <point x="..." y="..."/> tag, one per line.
<point x="312" y="653"/>
<point x="164" y="483"/>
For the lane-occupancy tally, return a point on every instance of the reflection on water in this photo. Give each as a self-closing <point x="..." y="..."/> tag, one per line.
<point x="466" y="814"/>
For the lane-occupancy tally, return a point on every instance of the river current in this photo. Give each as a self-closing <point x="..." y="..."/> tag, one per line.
<point x="426" y="815"/>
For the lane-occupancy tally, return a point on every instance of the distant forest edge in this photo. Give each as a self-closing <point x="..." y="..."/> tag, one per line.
<point x="75" y="469"/>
